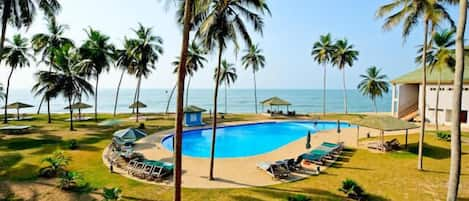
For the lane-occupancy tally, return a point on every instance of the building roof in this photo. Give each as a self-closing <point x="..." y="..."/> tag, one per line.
<point x="193" y="109"/>
<point x="275" y="101"/>
<point x="447" y="75"/>
<point x="384" y="123"/>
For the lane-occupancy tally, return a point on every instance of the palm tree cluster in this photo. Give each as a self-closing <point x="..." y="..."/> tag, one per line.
<point x="340" y="54"/>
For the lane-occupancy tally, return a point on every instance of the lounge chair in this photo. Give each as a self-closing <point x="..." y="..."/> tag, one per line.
<point x="336" y="146"/>
<point x="273" y="169"/>
<point x="160" y="169"/>
<point x="312" y="158"/>
<point x="290" y="164"/>
<point x="15" y="129"/>
<point x="394" y="144"/>
<point x="378" y="146"/>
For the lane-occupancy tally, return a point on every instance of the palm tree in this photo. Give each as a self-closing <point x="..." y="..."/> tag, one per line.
<point x="195" y="61"/>
<point x="46" y="44"/>
<point x="373" y="84"/>
<point x="68" y="80"/>
<point x="2" y="94"/>
<point x="322" y="54"/>
<point x="455" y="168"/>
<point x="344" y="55"/>
<point x="146" y="50"/>
<point x="16" y="55"/>
<point x="223" y="21"/>
<point x="20" y="13"/>
<point x="99" y="53"/>
<point x="227" y="76"/>
<point x="125" y="62"/>
<point x="409" y="12"/>
<point x="255" y="60"/>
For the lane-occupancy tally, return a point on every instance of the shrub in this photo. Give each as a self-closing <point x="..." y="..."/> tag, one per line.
<point x="69" y="180"/>
<point x="353" y="190"/>
<point x="73" y="144"/>
<point x="443" y="136"/>
<point x="112" y="194"/>
<point x="57" y="163"/>
<point x="298" y="198"/>
<point x="141" y="126"/>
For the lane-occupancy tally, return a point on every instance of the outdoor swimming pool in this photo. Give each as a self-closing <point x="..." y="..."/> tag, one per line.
<point x="248" y="139"/>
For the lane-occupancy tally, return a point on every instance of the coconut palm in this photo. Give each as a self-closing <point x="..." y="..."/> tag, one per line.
<point x="455" y="167"/>
<point x="322" y="54"/>
<point x="67" y="78"/>
<point x="146" y="50"/>
<point x="15" y="55"/>
<point x="373" y="84"/>
<point x="227" y="76"/>
<point x="253" y="59"/>
<point x="409" y="12"/>
<point x="46" y="44"/>
<point x="124" y="62"/>
<point x="20" y="13"/>
<point x="224" y="22"/>
<point x="344" y="55"/>
<point x="99" y="53"/>
<point x="42" y="88"/>
<point x="195" y="61"/>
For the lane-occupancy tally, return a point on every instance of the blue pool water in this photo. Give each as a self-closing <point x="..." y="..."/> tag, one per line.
<point x="246" y="140"/>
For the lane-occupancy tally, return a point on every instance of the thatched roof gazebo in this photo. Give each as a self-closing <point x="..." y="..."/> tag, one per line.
<point x="275" y="101"/>
<point x="383" y="124"/>
<point x="17" y="106"/>
<point x="79" y="106"/>
<point x="137" y="104"/>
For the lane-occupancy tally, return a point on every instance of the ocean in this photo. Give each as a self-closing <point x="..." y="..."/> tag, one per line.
<point x="239" y="100"/>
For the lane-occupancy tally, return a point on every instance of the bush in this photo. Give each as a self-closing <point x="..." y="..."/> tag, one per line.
<point x="73" y="144"/>
<point x="443" y="136"/>
<point x="353" y="190"/>
<point x="69" y="180"/>
<point x="57" y="163"/>
<point x="298" y="198"/>
<point x="141" y="126"/>
<point x="112" y="194"/>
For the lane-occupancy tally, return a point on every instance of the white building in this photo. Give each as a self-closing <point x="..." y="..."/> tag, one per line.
<point x="407" y="96"/>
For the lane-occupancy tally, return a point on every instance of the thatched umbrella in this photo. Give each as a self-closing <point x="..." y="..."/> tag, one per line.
<point x="137" y="105"/>
<point x="275" y="101"/>
<point x="17" y="106"/>
<point x="78" y="106"/>
<point x="308" y="140"/>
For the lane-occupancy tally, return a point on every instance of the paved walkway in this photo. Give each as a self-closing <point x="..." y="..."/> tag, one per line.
<point x="241" y="172"/>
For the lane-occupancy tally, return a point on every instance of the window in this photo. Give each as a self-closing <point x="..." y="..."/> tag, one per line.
<point x="193" y="117"/>
<point x="432" y="89"/>
<point x="450" y="89"/>
<point x="466" y="89"/>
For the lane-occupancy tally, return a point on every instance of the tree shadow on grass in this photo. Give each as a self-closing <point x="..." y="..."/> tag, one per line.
<point x="245" y="198"/>
<point x="23" y="143"/>
<point x="9" y="160"/>
<point x="431" y="151"/>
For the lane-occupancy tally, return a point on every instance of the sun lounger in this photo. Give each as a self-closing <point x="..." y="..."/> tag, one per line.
<point x="312" y="158"/>
<point x="160" y="169"/>
<point x="15" y="129"/>
<point x="379" y="146"/>
<point x="273" y="169"/>
<point x="336" y="146"/>
<point x="394" y="144"/>
<point x="21" y="118"/>
<point x="290" y="164"/>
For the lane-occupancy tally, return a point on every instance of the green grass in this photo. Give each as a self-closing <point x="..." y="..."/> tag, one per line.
<point x="391" y="176"/>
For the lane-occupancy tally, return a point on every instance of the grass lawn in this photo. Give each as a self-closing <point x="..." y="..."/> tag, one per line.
<point x="391" y="176"/>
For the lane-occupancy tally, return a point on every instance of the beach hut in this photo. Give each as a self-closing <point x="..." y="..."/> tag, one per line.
<point x="275" y="101"/>
<point x="128" y="136"/>
<point x="79" y="106"/>
<point x="17" y="106"/>
<point x="193" y="116"/>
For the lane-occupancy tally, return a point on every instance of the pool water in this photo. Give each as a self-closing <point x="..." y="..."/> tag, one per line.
<point x="248" y="139"/>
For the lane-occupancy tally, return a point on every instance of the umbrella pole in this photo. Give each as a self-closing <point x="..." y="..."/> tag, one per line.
<point x="406" y="135"/>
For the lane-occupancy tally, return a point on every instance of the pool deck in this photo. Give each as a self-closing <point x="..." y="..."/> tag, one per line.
<point x="241" y="172"/>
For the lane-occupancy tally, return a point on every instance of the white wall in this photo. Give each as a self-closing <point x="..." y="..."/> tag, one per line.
<point x="445" y="102"/>
<point x="408" y="96"/>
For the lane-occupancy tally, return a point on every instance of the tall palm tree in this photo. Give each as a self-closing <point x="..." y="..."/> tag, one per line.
<point x="224" y="22"/>
<point x="146" y="50"/>
<point x="15" y="55"/>
<point x="228" y="76"/>
<point x="99" y="53"/>
<point x="409" y="12"/>
<point x="2" y="94"/>
<point x="195" y="61"/>
<point x="253" y="59"/>
<point x="373" y="84"/>
<point x="455" y="168"/>
<point x="125" y="62"/>
<point x="344" y="55"/>
<point x="322" y="53"/>
<point x="20" y="13"/>
<point x="46" y="44"/>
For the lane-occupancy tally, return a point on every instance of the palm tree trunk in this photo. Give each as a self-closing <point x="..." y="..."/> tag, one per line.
<point x="437" y="101"/>
<point x="345" y="91"/>
<point x="5" y="15"/>
<point x="455" y="168"/>
<point x="374" y="105"/>
<point x="324" y="91"/>
<point x="71" y="112"/>
<point x="49" y="118"/>
<point x="215" y="100"/>
<point x="135" y="99"/>
<point x="424" y="98"/>
<point x="5" y="118"/>
<point x="40" y="105"/>
<point x="117" y="92"/>
<point x="255" y="89"/>
<point x="138" y="97"/>
<point x="187" y="91"/>
<point x="180" y="101"/>
<point x="169" y="99"/>
<point x="96" y="99"/>
<point x="226" y="98"/>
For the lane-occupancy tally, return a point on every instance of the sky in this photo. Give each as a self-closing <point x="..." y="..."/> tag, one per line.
<point x="286" y="42"/>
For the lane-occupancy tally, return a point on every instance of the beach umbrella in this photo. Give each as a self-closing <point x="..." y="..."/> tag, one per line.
<point x="128" y="135"/>
<point x="139" y="104"/>
<point x="17" y="106"/>
<point x="308" y="140"/>
<point x="78" y="106"/>
<point x="110" y="122"/>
